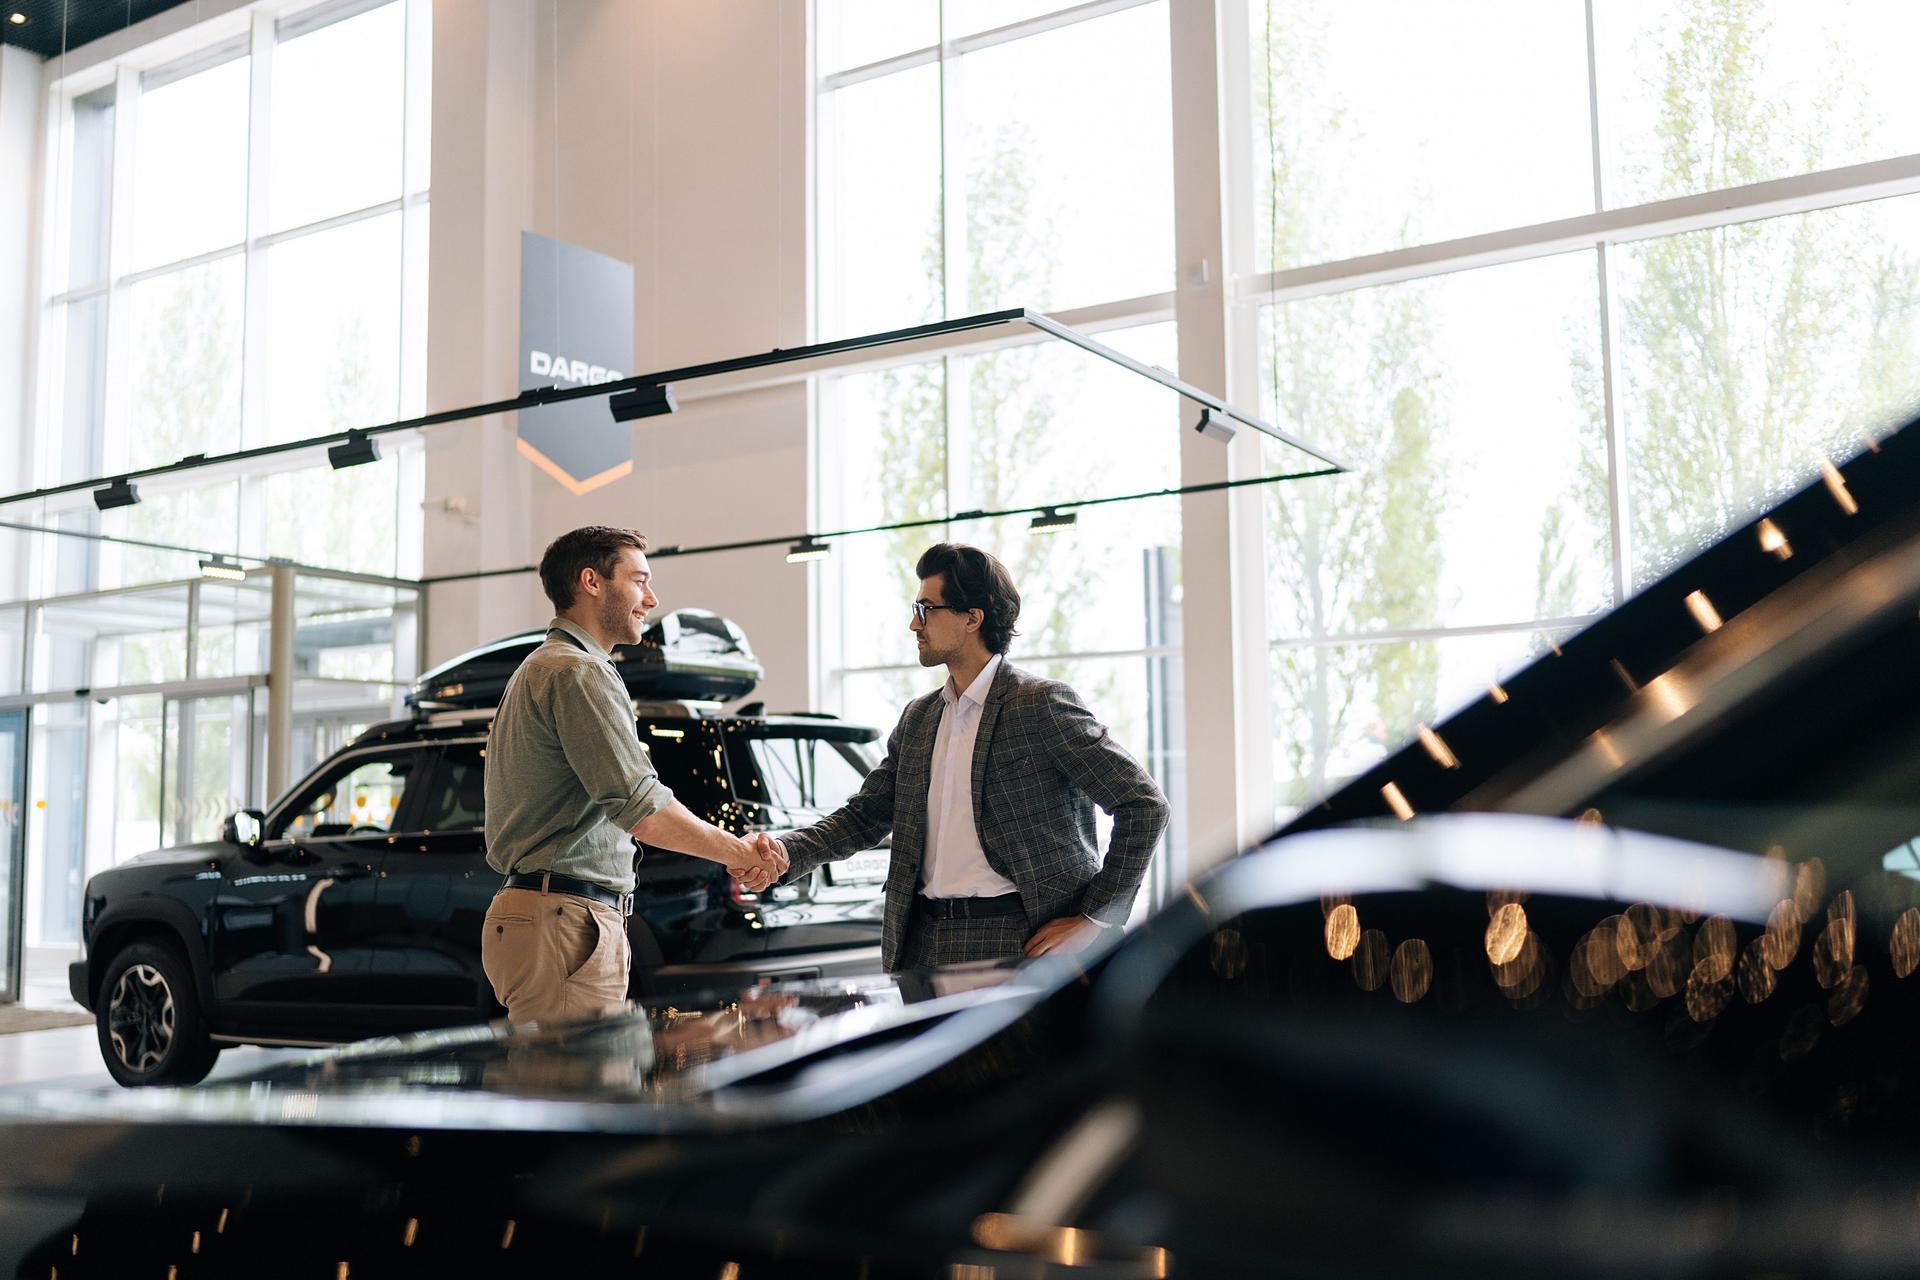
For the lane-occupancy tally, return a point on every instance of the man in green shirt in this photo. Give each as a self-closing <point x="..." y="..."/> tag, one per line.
<point x="568" y="782"/>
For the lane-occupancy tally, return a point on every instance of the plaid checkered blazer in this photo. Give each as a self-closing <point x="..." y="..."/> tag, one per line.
<point x="1041" y="762"/>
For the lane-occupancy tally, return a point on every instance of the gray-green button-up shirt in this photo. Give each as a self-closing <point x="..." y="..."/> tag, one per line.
<point x="566" y="776"/>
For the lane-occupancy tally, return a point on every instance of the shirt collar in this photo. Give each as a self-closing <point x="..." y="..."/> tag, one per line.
<point x="977" y="691"/>
<point x="579" y="633"/>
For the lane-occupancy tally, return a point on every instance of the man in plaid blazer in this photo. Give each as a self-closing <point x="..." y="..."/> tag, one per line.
<point x="988" y="788"/>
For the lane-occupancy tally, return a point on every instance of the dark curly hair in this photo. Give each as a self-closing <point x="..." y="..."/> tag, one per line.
<point x="976" y="580"/>
<point x="595" y="547"/>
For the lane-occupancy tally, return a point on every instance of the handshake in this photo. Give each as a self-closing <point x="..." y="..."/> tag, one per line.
<point x="757" y="862"/>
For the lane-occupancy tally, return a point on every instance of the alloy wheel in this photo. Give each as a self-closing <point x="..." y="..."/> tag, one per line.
<point x="140" y="1018"/>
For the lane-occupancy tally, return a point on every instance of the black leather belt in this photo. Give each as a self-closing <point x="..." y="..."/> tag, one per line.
<point x="554" y="882"/>
<point x="1007" y="904"/>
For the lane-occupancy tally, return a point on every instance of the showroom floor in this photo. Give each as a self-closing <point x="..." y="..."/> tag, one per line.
<point x="70" y="1056"/>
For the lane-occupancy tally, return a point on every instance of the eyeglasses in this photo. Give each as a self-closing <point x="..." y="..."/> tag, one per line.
<point x="922" y="608"/>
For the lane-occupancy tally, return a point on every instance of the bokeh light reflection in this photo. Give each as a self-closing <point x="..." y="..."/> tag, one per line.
<point x="1343" y="931"/>
<point x="1809" y="886"/>
<point x="1412" y="970"/>
<point x="1833" y="952"/>
<point x="1521" y="976"/>
<point x="1755" y="973"/>
<point x="1781" y="942"/>
<point x="1904" y="946"/>
<point x="1713" y="949"/>
<point x="1506" y="933"/>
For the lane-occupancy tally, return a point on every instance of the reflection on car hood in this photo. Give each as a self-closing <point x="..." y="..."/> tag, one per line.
<point x="779" y="1052"/>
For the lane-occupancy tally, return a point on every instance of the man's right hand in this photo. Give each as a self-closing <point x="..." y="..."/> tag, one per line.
<point x="762" y="862"/>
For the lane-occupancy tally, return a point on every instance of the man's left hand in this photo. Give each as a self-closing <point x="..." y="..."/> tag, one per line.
<point x="1064" y="936"/>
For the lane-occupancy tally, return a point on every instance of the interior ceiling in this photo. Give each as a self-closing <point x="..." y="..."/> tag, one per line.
<point x="79" y="21"/>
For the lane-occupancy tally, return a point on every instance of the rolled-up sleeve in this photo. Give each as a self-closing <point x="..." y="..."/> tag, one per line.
<point x="594" y="722"/>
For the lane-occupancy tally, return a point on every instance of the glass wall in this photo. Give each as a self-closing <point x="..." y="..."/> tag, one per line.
<point x="148" y="714"/>
<point x="240" y="230"/>
<point x="973" y="157"/>
<point x="1555" y="388"/>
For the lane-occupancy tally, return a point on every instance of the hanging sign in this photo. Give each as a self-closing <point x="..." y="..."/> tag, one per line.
<point x="576" y="329"/>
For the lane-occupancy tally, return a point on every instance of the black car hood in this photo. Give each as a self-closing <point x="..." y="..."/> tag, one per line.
<point x="776" y="1053"/>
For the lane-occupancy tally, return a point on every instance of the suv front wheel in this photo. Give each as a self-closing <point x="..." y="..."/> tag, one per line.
<point x="149" y="1021"/>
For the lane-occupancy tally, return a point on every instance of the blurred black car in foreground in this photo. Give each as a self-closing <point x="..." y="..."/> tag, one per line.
<point x="352" y="908"/>
<point x="1459" y="1045"/>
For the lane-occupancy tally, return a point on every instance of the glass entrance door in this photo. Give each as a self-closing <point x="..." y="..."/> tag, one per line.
<point x="13" y="848"/>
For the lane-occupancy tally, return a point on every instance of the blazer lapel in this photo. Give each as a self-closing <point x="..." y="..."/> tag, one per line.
<point x="983" y="738"/>
<point x="916" y="773"/>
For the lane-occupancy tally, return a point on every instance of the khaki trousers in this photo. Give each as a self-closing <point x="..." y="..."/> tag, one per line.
<point x="553" y="957"/>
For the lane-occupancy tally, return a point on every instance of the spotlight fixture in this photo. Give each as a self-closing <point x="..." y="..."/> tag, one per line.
<point x="359" y="447"/>
<point x="224" y="569"/>
<point x="642" y="402"/>
<point x="17" y="19"/>
<point x="121" y="493"/>
<point x="1052" y="521"/>
<point x="808" y="548"/>
<point x="1215" y="428"/>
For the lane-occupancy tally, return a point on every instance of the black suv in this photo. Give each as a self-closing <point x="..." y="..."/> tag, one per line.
<point x="353" y="906"/>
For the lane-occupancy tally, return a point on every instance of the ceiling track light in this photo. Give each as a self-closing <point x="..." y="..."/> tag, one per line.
<point x="642" y="402"/>
<point x="1053" y="521"/>
<point x="17" y="19"/>
<point x="359" y="448"/>
<point x="808" y="548"/>
<point x="222" y="568"/>
<point x="121" y="493"/>
<point x="1215" y="428"/>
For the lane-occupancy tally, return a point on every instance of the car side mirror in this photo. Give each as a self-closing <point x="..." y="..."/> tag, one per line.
<point x="242" y="827"/>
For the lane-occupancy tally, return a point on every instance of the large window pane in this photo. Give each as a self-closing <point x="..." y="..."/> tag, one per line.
<point x="13" y="639"/>
<point x="131" y="639"/>
<point x="333" y="331"/>
<point x="186" y="347"/>
<point x="190" y="166"/>
<point x="83" y="404"/>
<point x="191" y="515"/>
<point x="1067" y="164"/>
<point x="853" y="33"/>
<point x="337" y="148"/>
<point x="89" y="205"/>
<point x="883" y="460"/>
<point x="1385" y="123"/>
<point x="1699" y="95"/>
<point x="880" y="248"/>
<point x="1050" y="423"/>
<point x="332" y="519"/>
<point x="231" y="634"/>
<point x="1471" y="406"/>
<point x="1750" y="351"/>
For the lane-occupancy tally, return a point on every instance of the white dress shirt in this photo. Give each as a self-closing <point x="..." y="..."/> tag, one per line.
<point x="954" y="865"/>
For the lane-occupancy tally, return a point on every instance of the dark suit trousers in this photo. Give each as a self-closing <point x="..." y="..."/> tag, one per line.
<point x="931" y="942"/>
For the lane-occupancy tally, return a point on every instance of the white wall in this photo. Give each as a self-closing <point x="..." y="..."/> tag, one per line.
<point x="676" y="141"/>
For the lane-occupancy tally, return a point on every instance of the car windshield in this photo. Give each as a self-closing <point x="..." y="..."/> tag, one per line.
<point x="793" y="769"/>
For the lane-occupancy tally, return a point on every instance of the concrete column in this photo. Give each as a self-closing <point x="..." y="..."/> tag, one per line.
<point x="280" y="626"/>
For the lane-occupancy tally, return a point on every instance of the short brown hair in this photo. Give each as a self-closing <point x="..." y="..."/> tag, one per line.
<point x="976" y="580"/>
<point x="594" y="547"/>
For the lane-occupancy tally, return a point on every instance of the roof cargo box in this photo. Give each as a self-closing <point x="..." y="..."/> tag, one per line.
<point x="689" y="653"/>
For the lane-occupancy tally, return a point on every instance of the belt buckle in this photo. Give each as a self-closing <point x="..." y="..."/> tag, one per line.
<point x="626" y="905"/>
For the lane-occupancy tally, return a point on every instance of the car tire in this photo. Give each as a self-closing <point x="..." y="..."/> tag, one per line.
<point x="150" y="1025"/>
